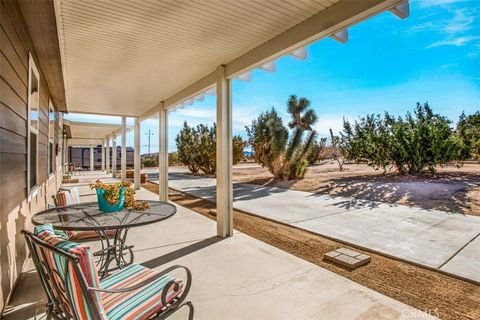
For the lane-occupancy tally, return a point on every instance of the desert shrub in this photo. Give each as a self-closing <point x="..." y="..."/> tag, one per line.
<point x="411" y="143"/>
<point x="196" y="148"/>
<point x="149" y="162"/>
<point x="368" y="139"/>
<point x="187" y="145"/>
<point x="336" y="151"/>
<point x="316" y="149"/>
<point x="468" y="130"/>
<point x="284" y="155"/>
<point x="238" y="147"/>
<point x="173" y="159"/>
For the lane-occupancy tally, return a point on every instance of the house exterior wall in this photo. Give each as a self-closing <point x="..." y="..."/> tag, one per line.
<point x="17" y="203"/>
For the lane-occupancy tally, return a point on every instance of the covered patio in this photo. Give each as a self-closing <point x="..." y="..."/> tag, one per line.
<point x="141" y="59"/>
<point x="163" y="56"/>
<point x="237" y="277"/>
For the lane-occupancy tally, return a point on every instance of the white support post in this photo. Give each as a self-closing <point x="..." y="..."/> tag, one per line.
<point x="114" y="156"/>
<point x="107" y="158"/>
<point x="92" y="159"/>
<point x="65" y="155"/>
<point x="163" y="154"/>
<point x="224" y="155"/>
<point x="136" y="157"/>
<point x="103" y="155"/>
<point x="123" y="159"/>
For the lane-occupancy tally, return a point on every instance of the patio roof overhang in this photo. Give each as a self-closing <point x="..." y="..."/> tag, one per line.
<point x="89" y="133"/>
<point x="130" y="58"/>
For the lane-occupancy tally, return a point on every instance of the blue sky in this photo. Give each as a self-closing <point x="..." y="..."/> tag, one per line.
<point x="388" y="64"/>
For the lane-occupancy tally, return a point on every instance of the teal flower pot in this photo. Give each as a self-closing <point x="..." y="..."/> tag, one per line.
<point x="103" y="204"/>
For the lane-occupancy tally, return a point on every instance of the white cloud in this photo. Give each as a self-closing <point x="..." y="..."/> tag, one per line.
<point x="457" y="42"/>
<point x="333" y="121"/>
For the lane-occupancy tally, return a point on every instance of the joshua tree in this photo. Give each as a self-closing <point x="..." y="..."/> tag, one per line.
<point x="303" y="118"/>
<point x="283" y="156"/>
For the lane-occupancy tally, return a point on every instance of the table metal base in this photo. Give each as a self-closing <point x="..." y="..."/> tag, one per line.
<point x="113" y="250"/>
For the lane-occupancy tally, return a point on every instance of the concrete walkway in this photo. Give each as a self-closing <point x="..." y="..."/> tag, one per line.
<point x="434" y="239"/>
<point x="227" y="280"/>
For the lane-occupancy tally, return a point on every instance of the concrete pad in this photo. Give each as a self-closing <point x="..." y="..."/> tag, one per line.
<point x="419" y="236"/>
<point x="228" y="283"/>
<point x="466" y="263"/>
<point x="425" y="237"/>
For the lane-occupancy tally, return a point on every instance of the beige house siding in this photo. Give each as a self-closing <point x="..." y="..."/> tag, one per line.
<point x="16" y="208"/>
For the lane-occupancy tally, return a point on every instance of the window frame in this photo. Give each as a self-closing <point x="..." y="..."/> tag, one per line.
<point x="32" y="69"/>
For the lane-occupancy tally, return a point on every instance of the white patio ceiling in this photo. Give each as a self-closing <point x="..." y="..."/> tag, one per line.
<point x="124" y="57"/>
<point x="87" y="133"/>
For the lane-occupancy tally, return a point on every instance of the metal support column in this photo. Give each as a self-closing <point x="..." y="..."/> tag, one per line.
<point x="123" y="159"/>
<point x="224" y="155"/>
<point x="163" y="154"/>
<point x="107" y="158"/>
<point x="136" y="155"/>
<point x="114" y="156"/>
<point x="103" y="155"/>
<point x="92" y="159"/>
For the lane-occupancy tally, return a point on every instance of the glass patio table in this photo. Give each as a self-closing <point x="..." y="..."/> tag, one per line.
<point x="87" y="217"/>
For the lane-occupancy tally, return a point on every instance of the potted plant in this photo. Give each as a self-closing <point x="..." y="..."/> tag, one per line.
<point x="113" y="197"/>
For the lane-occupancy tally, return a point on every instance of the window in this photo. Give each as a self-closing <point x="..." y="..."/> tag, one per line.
<point x="51" y="135"/>
<point x="33" y="109"/>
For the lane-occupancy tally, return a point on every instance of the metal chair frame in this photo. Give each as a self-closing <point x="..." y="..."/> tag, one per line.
<point x="62" y="311"/>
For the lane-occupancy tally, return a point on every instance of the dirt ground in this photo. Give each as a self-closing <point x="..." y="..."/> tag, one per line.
<point x="430" y="291"/>
<point x="451" y="189"/>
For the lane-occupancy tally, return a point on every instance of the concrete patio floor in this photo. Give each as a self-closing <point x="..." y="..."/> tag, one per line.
<point x="435" y="239"/>
<point x="234" y="278"/>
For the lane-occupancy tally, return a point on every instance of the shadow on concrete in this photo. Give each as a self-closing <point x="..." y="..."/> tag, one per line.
<point x="171" y="256"/>
<point x="445" y="192"/>
<point x="29" y="298"/>
<point x="241" y="191"/>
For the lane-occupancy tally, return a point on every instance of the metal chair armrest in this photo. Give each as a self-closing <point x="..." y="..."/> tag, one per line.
<point x="148" y="281"/>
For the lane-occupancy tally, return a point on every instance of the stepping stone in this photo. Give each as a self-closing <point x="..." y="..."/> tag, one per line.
<point x="347" y="258"/>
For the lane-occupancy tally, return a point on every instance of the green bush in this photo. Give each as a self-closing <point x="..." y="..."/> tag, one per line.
<point x="468" y="130"/>
<point x="284" y="156"/>
<point x="173" y="159"/>
<point x="196" y="148"/>
<point x="410" y="144"/>
<point x="149" y="162"/>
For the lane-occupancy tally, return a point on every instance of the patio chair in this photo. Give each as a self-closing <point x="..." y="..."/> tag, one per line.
<point x="74" y="291"/>
<point x="71" y="196"/>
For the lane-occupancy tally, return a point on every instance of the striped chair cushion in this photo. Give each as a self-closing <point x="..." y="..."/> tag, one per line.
<point x="75" y="194"/>
<point x="67" y="198"/>
<point x="139" y="304"/>
<point x="73" y="298"/>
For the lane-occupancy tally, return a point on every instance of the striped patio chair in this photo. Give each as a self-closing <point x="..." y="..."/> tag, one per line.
<point x="74" y="290"/>
<point x="70" y="196"/>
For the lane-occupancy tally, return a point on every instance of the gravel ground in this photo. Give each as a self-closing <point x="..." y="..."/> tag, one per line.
<point x="452" y="189"/>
